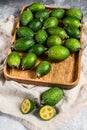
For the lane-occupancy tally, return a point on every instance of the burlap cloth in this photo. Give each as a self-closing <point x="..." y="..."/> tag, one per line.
<point x="12" y="93"/>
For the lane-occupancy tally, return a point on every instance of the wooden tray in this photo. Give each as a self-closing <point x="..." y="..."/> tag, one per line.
<point x="64" y="74"/>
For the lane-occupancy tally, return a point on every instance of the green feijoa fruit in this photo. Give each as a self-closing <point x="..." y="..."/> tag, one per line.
<point x="38" y="49"/>
<point x="27" y="106"/>
<point x="42" y="14"/>
<point x="74" y="12"/>
<point x="24" y="32"/>
<point x="50" y="22"/>
<point x="34" y="7"/>
<point x="58" y="53"/>
<point x="72" y="44"/>
<point x="73" y="32"/>
<point x="54" y="40"/>
<point x="52" y="96"/>
<point x="23" y="44"/>
<point x="28" y="61"/>
<point x="58" y="13"/>
<point x="43" y="68"/>
<point x="26" y="17"/>
<point x="41" y="36"/>
<point x="35" y="24"/>
<point x="71" y="21"/>
<point x="14" y="59"/>
<point x="57" y="31"/>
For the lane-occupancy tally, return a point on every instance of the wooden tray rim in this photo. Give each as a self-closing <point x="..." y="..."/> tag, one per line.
<point x="65" y="85"/>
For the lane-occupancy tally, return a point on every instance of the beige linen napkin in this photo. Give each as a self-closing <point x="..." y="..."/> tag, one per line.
<point x="12" y="93"/>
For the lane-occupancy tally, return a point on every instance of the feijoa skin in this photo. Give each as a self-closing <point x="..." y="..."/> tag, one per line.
<point x="42" y="14"/>
<point x="73" y="32"/>
<point x="26" y="17"/>
<point x="24" y="32"/>
<point x="14" y="59"/>
<point x="72" y="44"/>
<point x="28" y="61"/>
<point x="57" y="31"/>
<point x="38" y="49"/>
<point x="43" y="68"/>
<point x="41" y="36"/>
<point x="36" y="6"/>
<point x="54" y="40"/>
<point x="58" y="53"/>
<point x="58" y="13"/>
<point x="70" y="21"/>
<point x="35" y="25"/>
<point x="50" y="22"/>
<point x="74" y="12"/>
<point x="23" y="44"/>
<point x="52" y="96"/>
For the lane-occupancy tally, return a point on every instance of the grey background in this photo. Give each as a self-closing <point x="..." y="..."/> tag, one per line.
<point x="12" y="7"/>
<point x="8" y="7"/>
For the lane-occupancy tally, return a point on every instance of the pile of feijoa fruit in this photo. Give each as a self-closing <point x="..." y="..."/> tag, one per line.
<point x="45" y="32"/>
<point x="46" y="109"/>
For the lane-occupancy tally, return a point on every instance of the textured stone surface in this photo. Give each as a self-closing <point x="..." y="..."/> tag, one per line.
<point x="8" y="7"/>
<point x="12" y="7"/>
